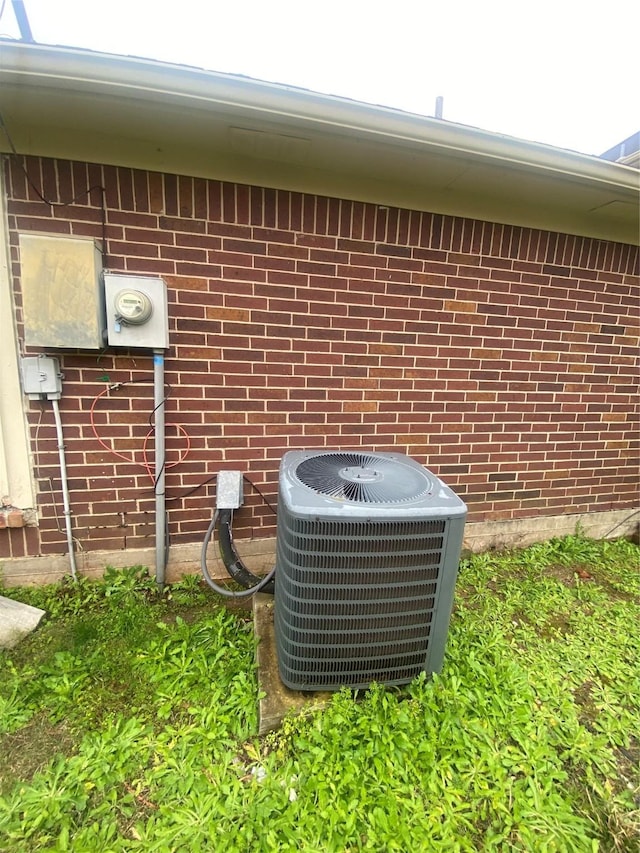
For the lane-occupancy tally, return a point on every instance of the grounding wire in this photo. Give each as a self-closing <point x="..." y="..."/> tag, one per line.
<point x="620" y="523"/>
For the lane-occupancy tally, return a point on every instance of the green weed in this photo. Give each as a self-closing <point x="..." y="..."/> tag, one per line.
<point x="145" y="707"/>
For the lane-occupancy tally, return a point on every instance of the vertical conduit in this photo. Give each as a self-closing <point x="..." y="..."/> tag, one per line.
<point x="65" y="488"/>
<point x="160" y="467"/>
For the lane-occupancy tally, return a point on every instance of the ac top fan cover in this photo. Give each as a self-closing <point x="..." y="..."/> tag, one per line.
<point x="367" y="553"/>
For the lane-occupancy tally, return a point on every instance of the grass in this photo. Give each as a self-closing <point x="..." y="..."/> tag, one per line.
<point x="128" y="722"/>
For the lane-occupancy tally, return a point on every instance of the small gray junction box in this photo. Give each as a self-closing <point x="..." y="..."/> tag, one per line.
<point x="229" y="491"/>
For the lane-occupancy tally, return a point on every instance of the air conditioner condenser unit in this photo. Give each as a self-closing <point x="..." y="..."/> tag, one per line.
<point x="368" y="546"/>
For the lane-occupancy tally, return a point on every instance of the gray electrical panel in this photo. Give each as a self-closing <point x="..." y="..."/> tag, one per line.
<point x="61" y="292"/>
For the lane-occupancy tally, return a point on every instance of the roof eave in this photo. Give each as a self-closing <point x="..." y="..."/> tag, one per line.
<point x="303" y="140"/>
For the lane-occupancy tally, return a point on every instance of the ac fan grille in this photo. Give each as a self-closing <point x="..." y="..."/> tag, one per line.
<point x="363" y="478"/>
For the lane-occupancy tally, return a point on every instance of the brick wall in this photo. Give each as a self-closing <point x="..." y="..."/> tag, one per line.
<point x="504" y="358"/>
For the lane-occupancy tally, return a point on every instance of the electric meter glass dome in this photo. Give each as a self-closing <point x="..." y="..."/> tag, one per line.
<point x="133" y="306"/>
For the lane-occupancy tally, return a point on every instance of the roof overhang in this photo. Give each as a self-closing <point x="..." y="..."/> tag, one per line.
<point x="79" y="105"/>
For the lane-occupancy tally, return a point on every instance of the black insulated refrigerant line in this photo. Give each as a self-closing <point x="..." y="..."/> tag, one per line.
<point x="237" y="570"/>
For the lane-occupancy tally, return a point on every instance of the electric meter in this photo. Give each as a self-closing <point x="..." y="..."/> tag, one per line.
<point x="133" y="307"/>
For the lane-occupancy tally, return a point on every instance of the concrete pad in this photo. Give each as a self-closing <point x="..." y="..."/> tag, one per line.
<point x="16" y="621"/>
<point x="278" y="700"/>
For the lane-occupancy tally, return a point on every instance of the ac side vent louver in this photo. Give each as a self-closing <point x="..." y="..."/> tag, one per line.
<point x="368" y="546"/>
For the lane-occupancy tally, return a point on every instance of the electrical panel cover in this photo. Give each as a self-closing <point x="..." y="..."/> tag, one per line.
<point x="61" y="292"/>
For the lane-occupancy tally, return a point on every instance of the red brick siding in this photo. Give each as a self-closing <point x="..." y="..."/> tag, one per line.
<point x="504" y="358"/>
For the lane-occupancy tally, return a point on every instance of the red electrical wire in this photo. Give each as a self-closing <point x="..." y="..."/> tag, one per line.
<point x="145" y="463"/>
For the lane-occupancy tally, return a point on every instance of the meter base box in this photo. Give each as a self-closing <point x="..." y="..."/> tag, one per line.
<point x="130" y="327"/>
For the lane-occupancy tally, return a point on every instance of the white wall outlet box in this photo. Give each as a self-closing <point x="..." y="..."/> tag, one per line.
<point x="41" y="377"/>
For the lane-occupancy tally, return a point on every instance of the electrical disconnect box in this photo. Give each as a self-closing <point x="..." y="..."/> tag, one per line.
<point x="136" y="309"/>
<point x="41" y="377"/>
<point x="61" y="292"/>
<point x="229" y="491"/>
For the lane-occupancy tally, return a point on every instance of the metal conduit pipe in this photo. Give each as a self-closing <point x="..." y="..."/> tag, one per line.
<point x="160" y="467"/>
<point x="65" y="489"/>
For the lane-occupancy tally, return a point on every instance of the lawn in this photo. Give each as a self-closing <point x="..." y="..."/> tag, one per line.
<point x="128" y="722"/>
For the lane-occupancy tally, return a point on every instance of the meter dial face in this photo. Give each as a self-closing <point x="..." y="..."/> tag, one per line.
<point x="133" y="307"/>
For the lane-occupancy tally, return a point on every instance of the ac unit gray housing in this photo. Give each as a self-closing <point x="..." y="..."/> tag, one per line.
<point x="367" y="553"/>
